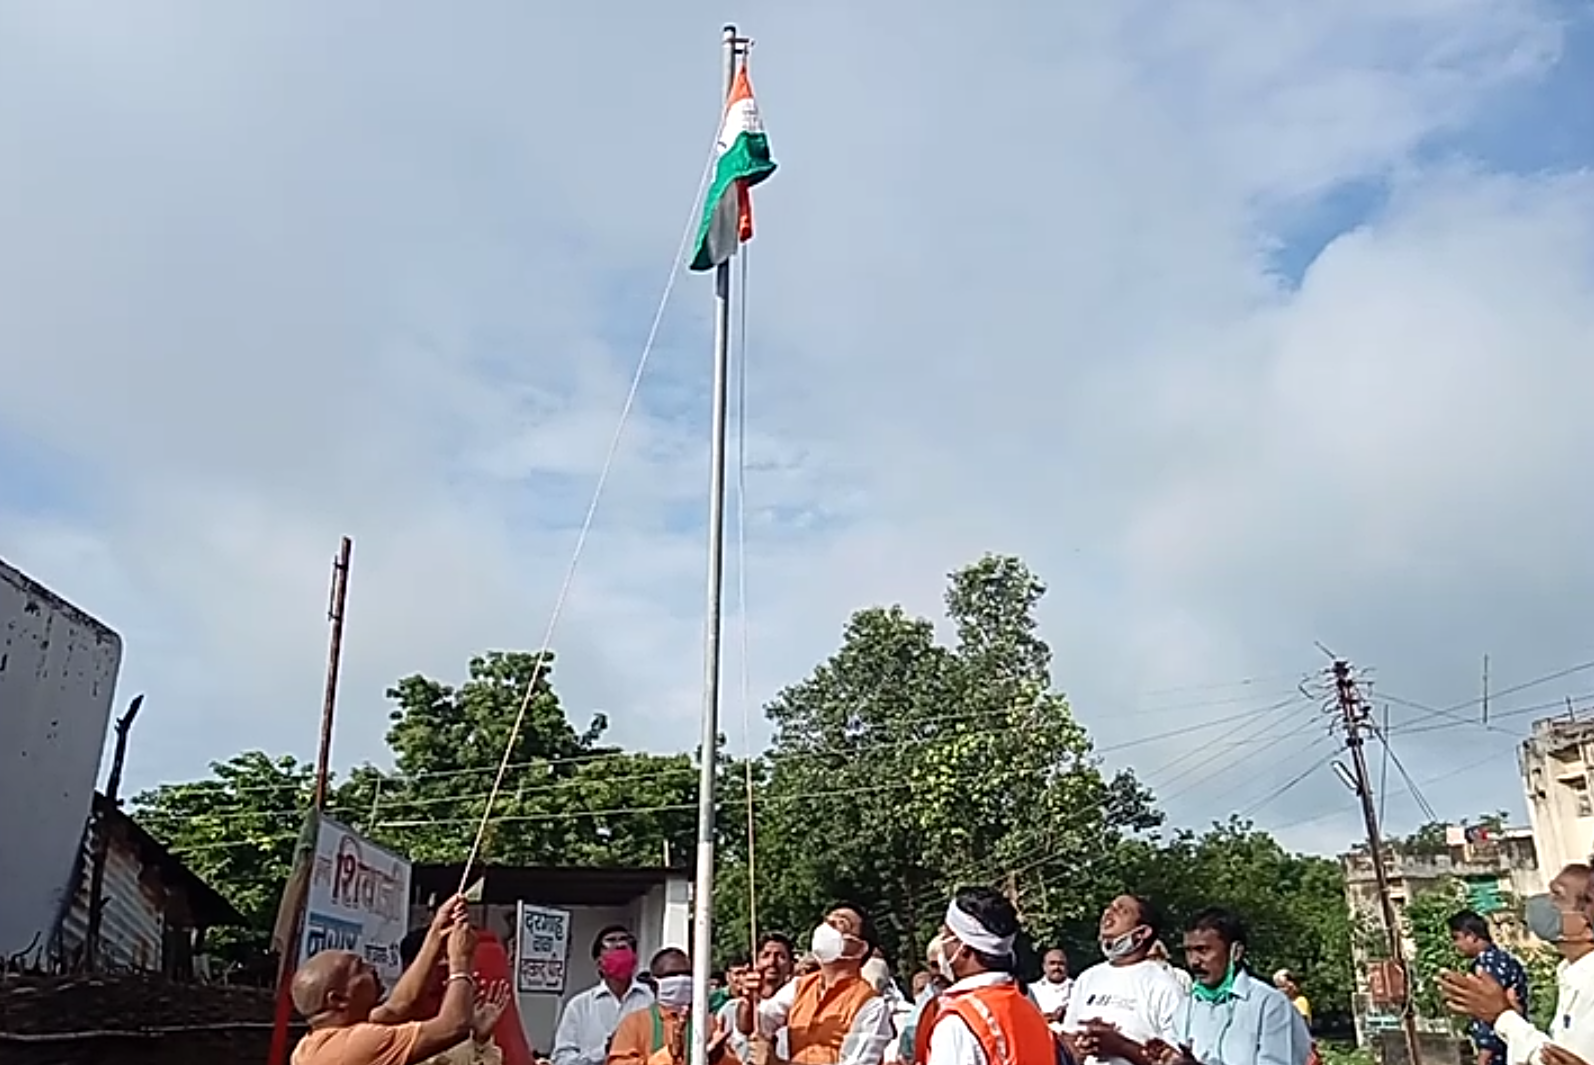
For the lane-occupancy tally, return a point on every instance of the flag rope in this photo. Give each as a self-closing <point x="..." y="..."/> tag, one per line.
<point x="592" y="511"/>
<point x="741" y="595"/>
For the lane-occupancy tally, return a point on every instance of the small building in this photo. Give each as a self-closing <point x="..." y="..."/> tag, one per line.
<point x="156" y="910"/>
<point x="1492" y="865"/>
<point x="1556" y="760"/>
<point x="655" y="904"/>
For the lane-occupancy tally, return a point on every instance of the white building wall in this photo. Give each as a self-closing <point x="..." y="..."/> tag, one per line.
<point x="1555" y="765"/>
<point x="57" y="678"/>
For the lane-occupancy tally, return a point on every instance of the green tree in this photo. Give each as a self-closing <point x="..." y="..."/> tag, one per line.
<point x="1426" y="918"/>
<point x="902" y="768"/>
<point x="236" y="830"/>
<point x="565" y="799"/>
<point x="1293" y="905"/>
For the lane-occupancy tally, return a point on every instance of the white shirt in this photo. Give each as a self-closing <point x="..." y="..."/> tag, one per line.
<point x="1051" y="997"/>
<point x="1140" y="1000"/>
<point x="865" y="1042"/>
<point x="1573" y="1027"/>
<point x="951" y="1041"/>
<point x="1186" y="981"/>
<point x="589" y="1020"/>
<point x="740" y="1044"/>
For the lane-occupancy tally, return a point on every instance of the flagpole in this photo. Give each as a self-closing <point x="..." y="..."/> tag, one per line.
<point x="708" y="753"/>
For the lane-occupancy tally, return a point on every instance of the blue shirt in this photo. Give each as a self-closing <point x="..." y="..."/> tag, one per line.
<point x="1509" y="974"/>
<point x="1254" y="1025"/>
<point x="905" y="1046"/>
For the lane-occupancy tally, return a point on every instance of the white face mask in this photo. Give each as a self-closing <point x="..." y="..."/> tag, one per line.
<point x="944" y="959"/>
<point x="1121" y="947"/>
<point x="675" y="992"/>
<point x="829" y="945"/>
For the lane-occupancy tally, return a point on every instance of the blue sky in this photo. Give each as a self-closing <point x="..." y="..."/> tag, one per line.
<point x="1247" y="330"/>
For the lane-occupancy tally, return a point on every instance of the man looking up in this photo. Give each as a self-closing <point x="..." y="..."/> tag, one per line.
<point x="590" y="1018"/>
<point x="338" y="992"/>
<point x="831" y="1016"/>
<point x="984" y="1017"/>
<point x="661" y="1034"/>
<point x="1119" y="1004"/>
<point x="1230" y="1018"/>
<point x="772" y="970"/>
<point x="1561" y="919"/>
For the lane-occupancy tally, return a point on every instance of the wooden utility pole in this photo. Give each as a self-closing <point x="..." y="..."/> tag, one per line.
<point x="1353" y="711"/>
<point x="113" y="788"/>
<point x="329" y="700"/>
<point x="278" y="1052"/>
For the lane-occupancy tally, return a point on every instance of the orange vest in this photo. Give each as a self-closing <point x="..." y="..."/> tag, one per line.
<point x="1010" y="1028"/>
<point x="922" y="1029"/>
<point x="821" y="1017"/>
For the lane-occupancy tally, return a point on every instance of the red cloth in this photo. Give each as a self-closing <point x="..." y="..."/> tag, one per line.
<point x="492" y="963"/>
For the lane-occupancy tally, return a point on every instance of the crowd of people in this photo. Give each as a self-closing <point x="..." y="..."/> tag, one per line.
<point x="838" y="1002"/>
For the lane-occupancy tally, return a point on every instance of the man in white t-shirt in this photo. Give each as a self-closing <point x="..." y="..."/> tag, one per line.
<point x="1051" y="991"/>
<point x="1121" y="1003"/>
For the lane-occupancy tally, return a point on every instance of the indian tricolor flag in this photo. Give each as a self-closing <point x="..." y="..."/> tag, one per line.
<point x="742" y="163"/>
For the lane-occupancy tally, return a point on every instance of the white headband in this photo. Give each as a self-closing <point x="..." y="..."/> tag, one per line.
<point x="974" y="935"/>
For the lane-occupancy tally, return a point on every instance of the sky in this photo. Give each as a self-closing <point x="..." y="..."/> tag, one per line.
<point x="1255" y="328"/>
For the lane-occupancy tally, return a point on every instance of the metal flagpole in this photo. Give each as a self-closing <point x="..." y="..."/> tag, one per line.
<point x="703" y="900"/>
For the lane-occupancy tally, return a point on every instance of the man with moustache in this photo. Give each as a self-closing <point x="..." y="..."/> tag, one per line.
<point x="1230" y="1017"/>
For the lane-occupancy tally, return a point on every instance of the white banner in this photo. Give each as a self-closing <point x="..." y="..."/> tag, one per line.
<point x="542" y="947"/>
<point x="359" y="900"/>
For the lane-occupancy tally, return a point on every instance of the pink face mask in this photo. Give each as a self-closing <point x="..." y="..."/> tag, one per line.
<point x="617" y="964"/>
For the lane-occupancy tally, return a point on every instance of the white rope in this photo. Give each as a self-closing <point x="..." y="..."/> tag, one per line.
<point x="592" y="511"/>
<point x="741" y="604"/>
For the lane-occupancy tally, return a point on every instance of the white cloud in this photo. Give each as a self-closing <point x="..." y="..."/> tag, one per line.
<point x="271" y="277"/>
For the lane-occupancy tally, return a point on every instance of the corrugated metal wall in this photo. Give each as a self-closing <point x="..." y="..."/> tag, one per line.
<point x="133" y="925"/>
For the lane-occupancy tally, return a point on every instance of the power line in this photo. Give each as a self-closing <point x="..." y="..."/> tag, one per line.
<point x="224" y="816"/>
<point x="839" y="750"/>
<point x="1339" y="812"/>
<point x="659" y="773"/>
<point x="1411" y="785"/>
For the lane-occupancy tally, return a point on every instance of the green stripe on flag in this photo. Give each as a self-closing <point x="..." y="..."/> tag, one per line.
<point x="747" y="159"/>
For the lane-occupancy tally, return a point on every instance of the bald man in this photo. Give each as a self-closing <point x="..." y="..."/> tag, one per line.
<point x="339" y="994"/>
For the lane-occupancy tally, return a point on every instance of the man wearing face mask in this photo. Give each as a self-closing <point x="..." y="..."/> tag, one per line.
<point x="984" y="1017"/>
<point x="1119" y="1004"/>
<point x="661" y="1034"/>
<point x="910" y="1047"/>
<point x="1560" y="918"/>
<point x="831" y="1016"/>
<point x="1230" y="1018"/>
<point x="590" y="1018"/>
